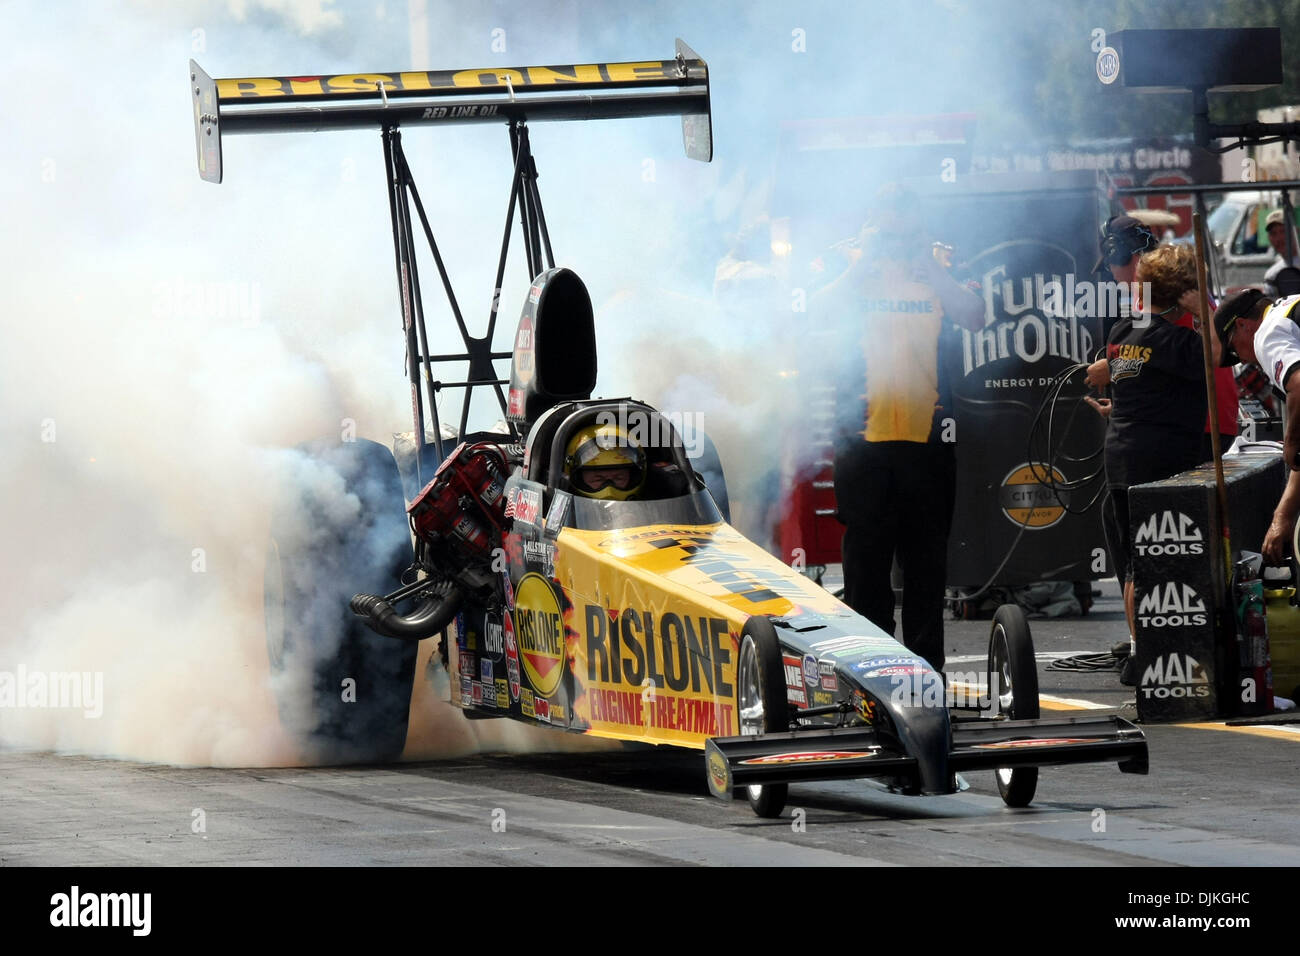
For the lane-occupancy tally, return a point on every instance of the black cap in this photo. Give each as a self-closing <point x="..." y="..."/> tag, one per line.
<point x="1124" y="233"/>
<point x="1225" y="319"/>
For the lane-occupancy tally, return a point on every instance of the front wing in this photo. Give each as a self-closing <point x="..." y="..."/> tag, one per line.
<point x="844" y="753"/>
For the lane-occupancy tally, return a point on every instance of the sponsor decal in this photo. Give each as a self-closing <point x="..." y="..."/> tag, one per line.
<point x="542" y="709"/>
<point x="872" y="663"/>
<point x="1027" y="501"/>
<point x="806" y="756"/>
<point x="557" y="713"/>
<point x="822" y="698"/>
<point x="1277" y="372"/>
<point x="526" y="703"/>
<point x="425" y="81"/>
<point x="555" y="518"/>
<point x="1172" y="604"/>
<point x="854" y="645"/>
<point x="810" y="675"/>
<point x="528" y="506"/>
<point x="523" y="357"/>
<point x="825" y="668"/>
<point x="794" y="690"/>
<point x="515" y="403"/>
<point x="1041" y="742"/>
<point x="466" y="691"/>
<point x="676" y="716"/>
<point x="540" y="554"/>
<point x="896" y="670"/>
<point x="1174" y="675"/>
<point x="512" y="656"/>
<point x="503" y="693"/>
<point x="494" y="638"/>
<point x="864" y="706"/>
<point x="673" y="651"/>
<point x="1168" y="533"/>
<point x="539" y="630"/>
<point x="476" y="691"/>
<point x="468" y="663"/>
<point x="485" y="671"/>
<point x="719" y="773"/>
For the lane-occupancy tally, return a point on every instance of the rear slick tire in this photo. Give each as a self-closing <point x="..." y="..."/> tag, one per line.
<point x="343" y="692"/>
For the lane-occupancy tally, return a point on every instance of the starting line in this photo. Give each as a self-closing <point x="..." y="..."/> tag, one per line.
<point x="1275" y="731"/>
<point x="1045" y="701"/>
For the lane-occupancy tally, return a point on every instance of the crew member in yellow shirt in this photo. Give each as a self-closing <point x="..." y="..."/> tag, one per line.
<point x="895" y="465"/>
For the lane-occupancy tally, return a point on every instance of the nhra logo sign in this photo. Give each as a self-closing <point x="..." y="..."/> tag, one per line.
<point x="1175" y="675"/>
<point x="1168" y="533"/>
<point x="1171" y="605"/>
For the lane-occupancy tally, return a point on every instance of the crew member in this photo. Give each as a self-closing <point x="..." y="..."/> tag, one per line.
<point x="1123" y="241"/>
<point x="1275" y="226"/>
<point x="603" y="462"/>
<point x="1156" y="370"/>
<point x="1251" y="329"/>
<point x="895" y="467"/>
<point x="1227" y="397"/>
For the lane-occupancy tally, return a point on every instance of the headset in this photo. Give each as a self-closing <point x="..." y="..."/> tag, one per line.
<point x="1117" y="248"/>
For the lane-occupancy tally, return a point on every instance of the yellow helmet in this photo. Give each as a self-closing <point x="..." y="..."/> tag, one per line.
<point x="603" y="462"/>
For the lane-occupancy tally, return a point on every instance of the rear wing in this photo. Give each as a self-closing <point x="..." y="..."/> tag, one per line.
<point x="281" y="104"/>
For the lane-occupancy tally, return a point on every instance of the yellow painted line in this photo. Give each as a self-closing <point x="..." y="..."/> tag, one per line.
<point x="1277" y="732"/>
<point x="1049" y="702"/>
<point x="1045" y="701"/>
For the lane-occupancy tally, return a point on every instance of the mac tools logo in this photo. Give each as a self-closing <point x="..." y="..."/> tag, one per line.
<point x="1175" y="675"/>
<point x="1034" y="306"/>
<point x="1168" y="533"/>
<point x="1171" y="605"/>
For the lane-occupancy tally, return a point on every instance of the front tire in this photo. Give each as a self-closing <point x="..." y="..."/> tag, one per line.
<point x="1012" y="665"/>
<point x="761" y="703"/>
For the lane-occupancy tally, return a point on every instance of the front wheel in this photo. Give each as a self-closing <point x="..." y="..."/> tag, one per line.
<point x="1013" y="676"/>
<point x="763" y="708"/>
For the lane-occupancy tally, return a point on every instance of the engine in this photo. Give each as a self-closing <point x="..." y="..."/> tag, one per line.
<point x="458" y="518"/>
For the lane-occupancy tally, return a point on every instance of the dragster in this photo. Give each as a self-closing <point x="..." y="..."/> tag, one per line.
<point x="646" y="619"/>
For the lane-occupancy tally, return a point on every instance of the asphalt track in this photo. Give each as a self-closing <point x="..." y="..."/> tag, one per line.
<point x="1216" y="796"/>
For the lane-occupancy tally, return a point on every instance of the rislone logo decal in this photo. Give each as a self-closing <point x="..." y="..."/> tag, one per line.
<point x="644" y="73"/>
<point x="539" y="630"/>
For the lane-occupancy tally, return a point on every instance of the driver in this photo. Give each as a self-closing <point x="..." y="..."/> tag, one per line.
<point x="603" y="462"/>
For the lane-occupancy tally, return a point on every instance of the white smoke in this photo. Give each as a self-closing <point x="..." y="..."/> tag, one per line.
<point x="164" y="339"/>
